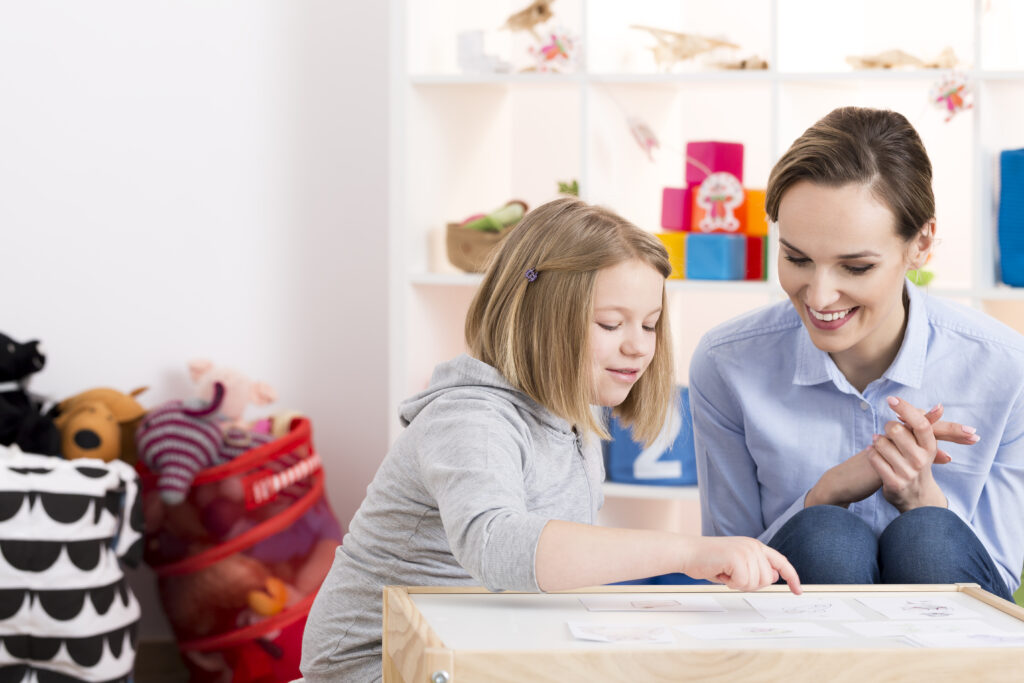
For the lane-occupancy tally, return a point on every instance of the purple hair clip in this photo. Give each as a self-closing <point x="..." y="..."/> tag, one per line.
<point x="531" y="275"/>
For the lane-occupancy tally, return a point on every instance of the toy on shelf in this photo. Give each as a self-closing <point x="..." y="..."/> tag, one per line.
<point x="99" y="423"/>
<point x="725" y="222"/>
<point x="22" y="419"/>
<point x="673" y="47"/>
<point x="953" y="95"/>
<point x="643" y="135"/>
<point x="571" y="187"/>
<point x="896" y="59"/>
<point x="1010" y="224"/>
<point x="529" y="18"/>
<point x="471" y="242"/>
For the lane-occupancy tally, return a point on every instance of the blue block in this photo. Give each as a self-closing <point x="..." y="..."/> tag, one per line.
<point x="1011" y="216"/>
<point x="669" y="461"/>
<point x="714" y="256"/>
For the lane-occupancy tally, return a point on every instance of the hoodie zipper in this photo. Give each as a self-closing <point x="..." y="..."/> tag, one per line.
<point x="586" y="475"/>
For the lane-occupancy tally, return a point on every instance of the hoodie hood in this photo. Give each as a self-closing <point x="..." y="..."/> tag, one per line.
<point x="466" y="377"/>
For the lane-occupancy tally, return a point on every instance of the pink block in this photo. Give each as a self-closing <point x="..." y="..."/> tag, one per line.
<point x="675" y="208"/>
<point x="710" y="156"/>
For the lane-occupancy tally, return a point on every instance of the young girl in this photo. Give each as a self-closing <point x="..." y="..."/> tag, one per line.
<point x="807" y="414"/>
<point x="496" y="479"/>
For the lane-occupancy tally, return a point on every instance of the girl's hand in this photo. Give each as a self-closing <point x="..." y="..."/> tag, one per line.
<point x="857" y="478"/>
<point x="903" y="456"/>
<point x="741" y="563"/>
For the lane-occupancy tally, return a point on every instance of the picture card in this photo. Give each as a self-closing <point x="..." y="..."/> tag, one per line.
<point x="781" y="607"/>
<point x="758" y="630"/>
<point x="912" y="628"/>
<point x="956" y="640"/>
<point x="651" y="603"/>
<point x="621" y="633"/>
<point x="925" y="607"/>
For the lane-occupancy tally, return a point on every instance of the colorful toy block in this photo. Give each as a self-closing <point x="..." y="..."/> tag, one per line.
<point x="716" y="256"/>
<point x="675" y="208"/>
<point x="710" y="156"/>
<point x="716" y="205"/>
<point x="675" y="245"/>
<point x="753" y="215"/>
<point x="757" y="258"/>
<point x="669" y="461"/>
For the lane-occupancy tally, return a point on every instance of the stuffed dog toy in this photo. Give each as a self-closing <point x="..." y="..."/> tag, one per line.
<point x="99" y="423"/>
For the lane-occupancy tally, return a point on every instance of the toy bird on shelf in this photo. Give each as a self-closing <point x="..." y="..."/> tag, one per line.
<point x="531" y="17"/>
<point x="675" y="47"/>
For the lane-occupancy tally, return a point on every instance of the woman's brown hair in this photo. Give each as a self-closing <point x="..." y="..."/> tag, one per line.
<point x="536" y="332"/>
<point x="875" y="147"/>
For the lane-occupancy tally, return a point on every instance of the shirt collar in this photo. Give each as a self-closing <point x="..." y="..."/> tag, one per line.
<point x="814" y="366"/>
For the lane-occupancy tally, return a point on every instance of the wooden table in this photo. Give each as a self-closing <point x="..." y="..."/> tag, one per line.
<point x="464" y="635"/>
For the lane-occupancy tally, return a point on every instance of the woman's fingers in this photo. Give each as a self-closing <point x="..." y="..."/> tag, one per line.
<point x="914" y="419"/>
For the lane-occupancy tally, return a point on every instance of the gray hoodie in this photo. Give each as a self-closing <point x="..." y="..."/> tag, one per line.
<point x="460" y="500"/>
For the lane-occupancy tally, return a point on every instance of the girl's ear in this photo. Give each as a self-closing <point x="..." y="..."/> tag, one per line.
<point x="920" y="247"/>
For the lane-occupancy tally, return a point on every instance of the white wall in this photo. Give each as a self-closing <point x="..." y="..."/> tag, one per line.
<point x="205" y="178"/>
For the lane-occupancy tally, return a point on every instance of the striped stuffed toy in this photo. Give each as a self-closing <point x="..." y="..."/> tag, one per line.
<point x="178" y="439"/>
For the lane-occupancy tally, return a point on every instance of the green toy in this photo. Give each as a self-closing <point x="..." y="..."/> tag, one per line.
<point x="499" y="219"/>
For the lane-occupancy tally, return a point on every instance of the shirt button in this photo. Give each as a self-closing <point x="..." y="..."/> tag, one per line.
<point x="863" y="405"/>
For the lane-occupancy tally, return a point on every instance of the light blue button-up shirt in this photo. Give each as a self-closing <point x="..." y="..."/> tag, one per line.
<point x="772" y="412"/>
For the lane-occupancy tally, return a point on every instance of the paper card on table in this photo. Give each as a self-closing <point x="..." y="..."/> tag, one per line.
<point x="777" y="607"/>
<point x="927" y="608"/>
<point x="758" y="630"/>
<point x="892" y="629"/>
<point x="621" y="633"/>
<point x="651" y="603"/>
<point x="952" y="640"/>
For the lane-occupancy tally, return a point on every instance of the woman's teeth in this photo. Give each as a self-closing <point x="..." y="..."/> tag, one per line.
<point x="829" y="317"/>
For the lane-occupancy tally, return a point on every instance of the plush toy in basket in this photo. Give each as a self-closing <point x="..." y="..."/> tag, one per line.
<point x="471" y="242"/>
<point x="66" y="526"/>
<point x="240" y="557"/>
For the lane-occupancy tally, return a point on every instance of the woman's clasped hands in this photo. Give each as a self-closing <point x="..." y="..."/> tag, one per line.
<point x="898" y="461"/>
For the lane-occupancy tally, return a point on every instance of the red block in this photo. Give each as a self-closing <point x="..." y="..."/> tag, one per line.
<point x="756" y="258"/>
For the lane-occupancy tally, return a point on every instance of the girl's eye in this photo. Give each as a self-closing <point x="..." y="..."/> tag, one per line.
<point x="649" y="328"/>
<point x="610" y="328"/>
<point x="801" y="261"/>
<point x="859" y="270"/>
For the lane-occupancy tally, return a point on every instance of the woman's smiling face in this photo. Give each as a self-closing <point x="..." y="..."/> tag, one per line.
<point x="843" y="266"/>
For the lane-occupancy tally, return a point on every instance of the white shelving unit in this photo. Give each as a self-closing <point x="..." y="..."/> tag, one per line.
<point x="463" y="143"/>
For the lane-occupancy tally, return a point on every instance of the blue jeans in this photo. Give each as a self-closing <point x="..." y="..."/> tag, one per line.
<point x="830" y="544"/>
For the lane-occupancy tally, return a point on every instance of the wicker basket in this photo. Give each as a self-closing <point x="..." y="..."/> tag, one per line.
<point x="470" y="249"/>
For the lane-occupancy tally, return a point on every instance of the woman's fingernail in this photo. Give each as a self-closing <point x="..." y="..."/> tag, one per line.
<point x="935" y="409"/>
<point x="893" y="401"/>
<point x="874" y="438"/>
<point x="969" y="430"/>
<point x="974" y="438"/>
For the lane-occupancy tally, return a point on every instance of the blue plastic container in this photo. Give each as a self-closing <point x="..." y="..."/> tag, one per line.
<point x="1011" y="216"/>
<point x="715" y="256"/>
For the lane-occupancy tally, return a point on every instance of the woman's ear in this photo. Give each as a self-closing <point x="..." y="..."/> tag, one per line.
<point x="920" y="247"/>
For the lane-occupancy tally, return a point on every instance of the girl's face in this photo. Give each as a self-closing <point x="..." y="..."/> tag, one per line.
<point x="627" y="305"/>
<point x="843" y="266"/>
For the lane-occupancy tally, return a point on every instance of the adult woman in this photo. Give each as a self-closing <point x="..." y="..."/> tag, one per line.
<point x="822" y="452"/>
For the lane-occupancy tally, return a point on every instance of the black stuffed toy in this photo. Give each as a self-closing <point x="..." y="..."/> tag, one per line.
<point x="22" y="421"/>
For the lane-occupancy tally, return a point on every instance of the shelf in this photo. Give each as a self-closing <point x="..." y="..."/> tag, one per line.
<point x="738" y="286"/>
<point x="616" y="490"/>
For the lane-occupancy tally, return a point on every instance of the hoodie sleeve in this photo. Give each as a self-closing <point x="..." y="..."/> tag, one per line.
<point x="473" y="464"/>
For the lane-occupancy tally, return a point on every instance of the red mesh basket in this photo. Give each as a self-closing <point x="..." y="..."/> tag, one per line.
<point x="241" y="559"/>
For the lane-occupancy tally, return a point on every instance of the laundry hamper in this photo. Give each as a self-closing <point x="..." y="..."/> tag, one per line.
<point x="239" y="561"/>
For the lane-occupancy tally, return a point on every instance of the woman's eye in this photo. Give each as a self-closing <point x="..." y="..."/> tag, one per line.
<point x="797" y="261"/>
<point x="859" y="270"/>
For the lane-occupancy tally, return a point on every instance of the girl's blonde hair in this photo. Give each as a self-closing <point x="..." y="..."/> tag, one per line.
<point x="536" y="333"/>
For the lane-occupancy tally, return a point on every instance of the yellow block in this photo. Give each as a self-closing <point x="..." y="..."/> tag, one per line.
<point x="675" y="245"/>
